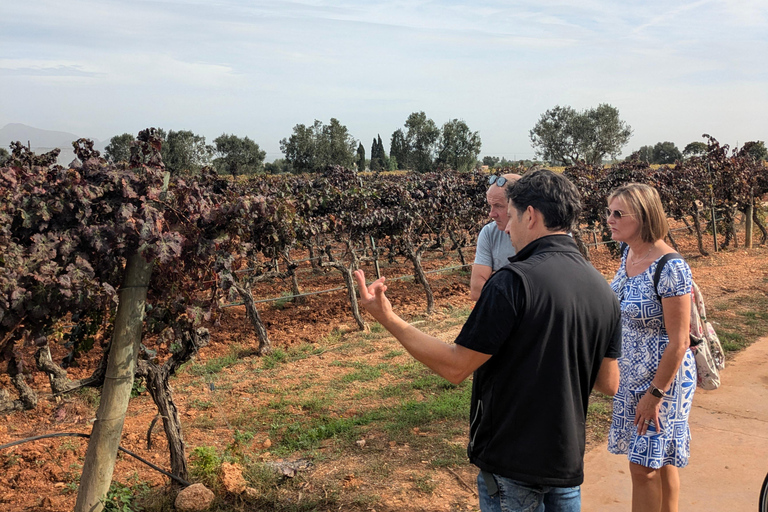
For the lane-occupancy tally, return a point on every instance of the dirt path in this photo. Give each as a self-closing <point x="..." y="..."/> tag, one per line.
<point x="729" y="449"/>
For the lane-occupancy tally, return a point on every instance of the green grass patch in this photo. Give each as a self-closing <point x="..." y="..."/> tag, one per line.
<point x="284" y="299"/>
<point x="446" y="454"/>
<point x="214" y="366"/>
<point x="599" y="415"/>
<point x="424" y="483"/>
<point x="306" y="435"/>
<point x="274" y="359"/>
<point x="332" y="338"/>
<point x="203" y="405"/>
<point x="451" y="404"/>
<point x="393" y="353"/>
<point x="363" y="373"/>
<point x="377" y="328"/>
<point x="740" y="320"/>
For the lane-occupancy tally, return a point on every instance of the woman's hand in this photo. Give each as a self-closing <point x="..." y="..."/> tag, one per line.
<point x="648" y="411"/>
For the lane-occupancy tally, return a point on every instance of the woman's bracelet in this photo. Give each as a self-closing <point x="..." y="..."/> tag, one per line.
<point x="657" y="392"/>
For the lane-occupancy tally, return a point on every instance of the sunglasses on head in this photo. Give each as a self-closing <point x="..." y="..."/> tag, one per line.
<point x="498" y="180"/>
<point x="617" y="214"/>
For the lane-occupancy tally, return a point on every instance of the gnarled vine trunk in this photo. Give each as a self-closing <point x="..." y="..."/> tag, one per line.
<point x="265" y="346"/>
<point x="27" y="397"/>
<point x="414" y="255"/>
<point x="158" y="385"/>
<point x="697" y="228"/>
<point x="349" y="281"/>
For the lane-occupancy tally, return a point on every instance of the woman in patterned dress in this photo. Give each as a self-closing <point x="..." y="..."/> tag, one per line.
<point x="657" y="368"/>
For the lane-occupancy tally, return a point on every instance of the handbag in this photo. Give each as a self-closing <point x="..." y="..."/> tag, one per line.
<point x="705" y="344"/>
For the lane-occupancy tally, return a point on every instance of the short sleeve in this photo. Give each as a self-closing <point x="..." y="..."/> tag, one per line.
<point x="483" y="252"/>
<point x="675" y="279"/>
<point x="614" y="345"/>
<point x="502" y="297"/>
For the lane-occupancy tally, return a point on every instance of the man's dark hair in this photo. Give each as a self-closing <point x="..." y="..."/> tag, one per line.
<point x="550" y="193"/>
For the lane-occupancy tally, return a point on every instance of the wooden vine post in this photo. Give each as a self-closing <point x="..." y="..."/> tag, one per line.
<point x="105" y="437"/>
<point x="749" y="221"/>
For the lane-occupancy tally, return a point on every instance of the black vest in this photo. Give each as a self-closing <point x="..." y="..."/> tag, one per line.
<point x="529" y="400"/>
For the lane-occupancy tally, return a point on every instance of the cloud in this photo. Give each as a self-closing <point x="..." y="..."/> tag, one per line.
<point x="10" y="67"/>
<point x="145" y="68"/>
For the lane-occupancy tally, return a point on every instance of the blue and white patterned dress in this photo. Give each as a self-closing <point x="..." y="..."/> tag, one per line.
<point x="644" y="339"/>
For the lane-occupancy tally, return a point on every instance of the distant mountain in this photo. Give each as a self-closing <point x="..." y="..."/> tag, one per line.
<point x="42" y="141"/>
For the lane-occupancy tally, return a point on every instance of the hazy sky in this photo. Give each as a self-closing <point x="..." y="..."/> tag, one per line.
<point x="675" y="70"/>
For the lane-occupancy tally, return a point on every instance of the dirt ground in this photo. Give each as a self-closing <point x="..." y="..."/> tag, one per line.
<point x="43" y="475"/>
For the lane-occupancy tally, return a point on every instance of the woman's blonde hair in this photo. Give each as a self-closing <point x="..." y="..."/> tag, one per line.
<point x="645" y="203"/>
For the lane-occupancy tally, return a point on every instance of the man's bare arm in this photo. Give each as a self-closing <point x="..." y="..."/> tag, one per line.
<point x="480" y="274"/>
<point x="452" y="362"/>
<point x="607" y="381"/>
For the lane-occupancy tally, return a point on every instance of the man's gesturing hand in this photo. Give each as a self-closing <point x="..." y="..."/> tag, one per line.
<point x="372" y="297"/>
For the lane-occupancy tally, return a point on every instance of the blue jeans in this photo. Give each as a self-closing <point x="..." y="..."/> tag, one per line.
<point x="514" y="496"/>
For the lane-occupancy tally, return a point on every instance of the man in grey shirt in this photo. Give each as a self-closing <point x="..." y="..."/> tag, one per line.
<point x="493" y="246"/>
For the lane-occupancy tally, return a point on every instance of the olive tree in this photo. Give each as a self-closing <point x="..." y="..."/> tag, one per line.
<point x="313" y="148"/>
<point x="564" y="136"/>
<point x="458" y="147"/>
<point x="119" y="148"/>
<point x="237" y="155"/>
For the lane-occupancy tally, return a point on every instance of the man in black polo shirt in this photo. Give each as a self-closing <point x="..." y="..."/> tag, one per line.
<point x="545" y="331"/>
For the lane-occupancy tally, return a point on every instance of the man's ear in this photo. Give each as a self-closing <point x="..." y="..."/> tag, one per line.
<point x="533" y="217"/>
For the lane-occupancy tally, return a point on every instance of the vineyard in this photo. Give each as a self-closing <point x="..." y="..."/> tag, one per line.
<point x="77" y="242"/>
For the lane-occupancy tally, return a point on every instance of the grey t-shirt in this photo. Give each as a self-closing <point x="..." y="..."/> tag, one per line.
<point x="493" y="247"/>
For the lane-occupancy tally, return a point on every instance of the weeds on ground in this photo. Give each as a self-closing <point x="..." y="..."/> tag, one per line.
<point x="740" y="320"/>
<point x="122" y="497"/>
<point x="204" y="466"/>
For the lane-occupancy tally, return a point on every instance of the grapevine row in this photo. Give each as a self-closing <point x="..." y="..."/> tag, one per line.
<point x="67" y="233"/>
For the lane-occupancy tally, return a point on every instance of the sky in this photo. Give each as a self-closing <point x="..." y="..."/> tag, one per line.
<point x="99" y="68"/>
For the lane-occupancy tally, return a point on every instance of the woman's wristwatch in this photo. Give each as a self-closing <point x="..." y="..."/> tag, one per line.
<point x="658" y="393"/>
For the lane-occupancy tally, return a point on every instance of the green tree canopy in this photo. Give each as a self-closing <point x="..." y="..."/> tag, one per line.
<point x="237" y="155"/>
<point x="378" y="156"/>
<point x="119" y="148"/>
<point x="340" y="147"/>
<point x="644" y="154"/>
<point x="360" y="157"/>
<point x="279" y="166"/>
<point x="421" y="138"/>
<point x="666" y="153"/>
<point x="564" y="136"/>
<point x="398" y="149"/>
<point x="458" y="146"/>
<point x="184" y="151"/>
<point x="4" y="156"/>
<point x="313" y="148"/>
<point x="695" y="149"/>
<point x="755" y="149"/>
<point x="660" y="153"/>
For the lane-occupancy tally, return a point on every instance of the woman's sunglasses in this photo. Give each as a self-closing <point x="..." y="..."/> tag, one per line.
<point x="617" y="214"/>
<point x="498" y="180"/>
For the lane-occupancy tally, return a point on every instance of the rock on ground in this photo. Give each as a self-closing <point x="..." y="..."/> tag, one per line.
<point x="194" y="498"/>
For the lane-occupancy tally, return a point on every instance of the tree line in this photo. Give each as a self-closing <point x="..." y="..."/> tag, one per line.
<point x="562" y="136"/>
<point x="420" y="145"/>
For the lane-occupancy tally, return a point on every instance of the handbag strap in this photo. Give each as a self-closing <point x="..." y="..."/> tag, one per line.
<point x="659" y="267"/>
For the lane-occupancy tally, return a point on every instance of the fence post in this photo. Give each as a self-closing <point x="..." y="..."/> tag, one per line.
<point x="712" y="202"/>
<point x="375" y="258"/>
<point x="749" y="224"/>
